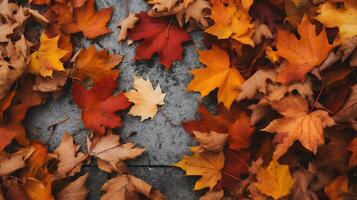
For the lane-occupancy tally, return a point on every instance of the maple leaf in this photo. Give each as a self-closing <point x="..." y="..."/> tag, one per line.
<point x="217" y="74"/>
<point x="302" y="54"/>
<point x="211" y="141"/>
<point x="47" y="58"/>
<point x="145" y="98"/>
<point x="98" y="104"/>
<point x="14" y="161"/>
<point x="96" y="64"/>
<point x="125" y="24"/>
<point x="345" y="18"/>
<point x="234" y="122"/>
<point x="109" y="150"/>
<point x="69" y="159"/>
<point x="208" y="165"/>
<point x="35" y="189"/>
<point x="298" y="124"/>
<point x="159" y="37"/>
<point x="75" y="190"/>
<point x="275" y="180"/>
<point x="337" y="188"/>
<point x="348" y="112"/>
<point x="231" y="22"/>
<point x="194" y="10"/>
<point x="353" y="148"/>
<point x="50" y="84"/>
<point x="90" y="22"/>
<point x="128" y="187"/>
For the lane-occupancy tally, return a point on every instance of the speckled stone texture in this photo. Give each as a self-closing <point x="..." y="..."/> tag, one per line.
<point x="163" y="137"/>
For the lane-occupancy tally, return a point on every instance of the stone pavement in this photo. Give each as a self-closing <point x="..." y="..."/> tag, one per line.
<point x="163" y="137"/>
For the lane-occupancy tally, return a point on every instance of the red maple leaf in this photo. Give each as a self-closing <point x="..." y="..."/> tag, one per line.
<point x="98" y="104"/>
<point x="233" y="121"/>
<point x="160" y="36"/>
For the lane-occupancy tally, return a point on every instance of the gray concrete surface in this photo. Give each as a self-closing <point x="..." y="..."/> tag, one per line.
<point x="163" y="137"/>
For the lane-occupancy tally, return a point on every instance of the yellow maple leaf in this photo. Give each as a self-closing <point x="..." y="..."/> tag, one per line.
<point x="217" y="74"/>
<point x="345" y="18"/>
<point x="145" y="98"/>
<point x="274" y="181"/>
<point x="231" y="21"/>
<point x="208" y="165"/>
<point x="47" y="57"/>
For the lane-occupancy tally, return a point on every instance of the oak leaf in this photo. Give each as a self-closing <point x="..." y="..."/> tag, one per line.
<point x="217" y="74"/>
<point x="108" y="149"/>
<point x="208" y="165"/>
<point x="234" y="122"/>
<point x="145" y="98"/>
<point x="159" y="37"/>
<point x="96" y="64"/>
<point x="302" y="54"/>
<point x="298" y="124"/>
<point x="75" y="190"/>
<point x="98" y="104"/>
<point x="231" y="22"/>
<point x="275" y="180"/>
<point x="47" y="58"/>
<point x="345" y="18"/>
<point x="69" y="159"/>
<point x="90" y="22"/>
<point x="126" y="24"/>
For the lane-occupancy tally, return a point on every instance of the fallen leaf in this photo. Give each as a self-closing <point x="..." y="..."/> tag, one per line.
<point x="211" y="141"/>
<point x="217" y="74"/>
<point x="275" y="180"/>
<point x="208" y="165"/>
<point x="145" y="98"/>
<point x="47" y="58"/>
<point x="302" y="179"/>
<point x="95" y="65"/>
<point x="234" y="122"/>
<point x="109" y="149"/>
<point x="98" y="104"/>
<point x="298" y="124"/>
<point x="231" y="22"/>
<point x="353" y="148"/>
<point x="348" y="112"/>
<point x="302" y="54"/>
<point x="159" y="37"/>
<point x="126" y="187"/>
<point x="125" y="24"/>
<point x="50" y="84"/>
<point x="75" y="190"/>
<point x="195" y="10"/>
<point x="90" y="22"/>
<point x="337" y="189"/>
<point x="213" y="195"/>
<point x="14" y="161"/>
<point x="69" y="159"/>
<point x="35" y="189"/>
<point x="343" y="18"/>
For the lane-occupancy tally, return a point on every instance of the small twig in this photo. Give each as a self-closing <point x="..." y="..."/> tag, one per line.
<point x="230" y="175"/>
<point x="168" y="28"/>
<point x="238" y="158"/>
<point x="321" y="89"/>
<point x="69" y="76"/>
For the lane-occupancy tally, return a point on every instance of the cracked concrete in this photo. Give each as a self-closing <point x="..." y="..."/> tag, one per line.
<point x="163" y="137"/>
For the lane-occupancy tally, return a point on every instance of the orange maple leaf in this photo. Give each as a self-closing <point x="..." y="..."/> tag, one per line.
<point x="91" y="23"/>
<point x="98" y="104"/>
<point x="302" y="54"/>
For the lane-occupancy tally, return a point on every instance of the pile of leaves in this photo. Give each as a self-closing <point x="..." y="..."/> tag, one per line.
<point x="283" y="73"/>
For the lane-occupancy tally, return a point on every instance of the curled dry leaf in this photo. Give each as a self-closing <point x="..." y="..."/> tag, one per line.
<point x="109" y="150"/>
<point x="75" y="190"/>
<point x="96" y="65"/>
<point x="125" y="24"/>
<point x="69" y="159"/>
<point x="211" y="141"/>
<point x="50" y="84"/>
<point x="217" y="74"/>
<point x="208" y="165"/>
<point x="145" y="98"/>
<point x="275" y="180"/>
<point x="298" y="124"/>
